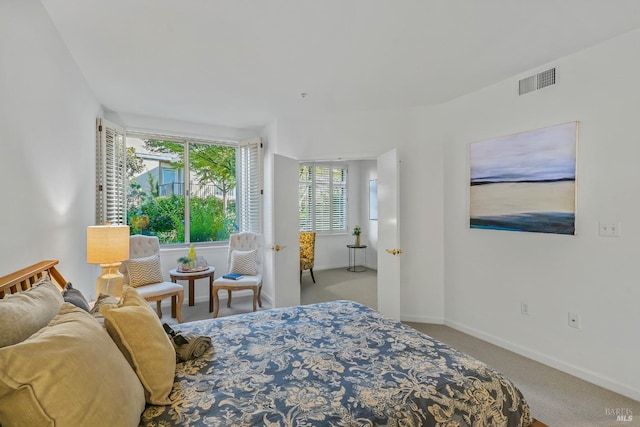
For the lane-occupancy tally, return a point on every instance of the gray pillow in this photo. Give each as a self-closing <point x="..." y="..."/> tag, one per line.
<point x="75" y="297"/>
<point x="24" y="313"/>
<point x="103" y="299"/>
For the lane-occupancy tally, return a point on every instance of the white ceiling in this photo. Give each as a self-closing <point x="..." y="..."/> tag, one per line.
<point x="242" y="63"/>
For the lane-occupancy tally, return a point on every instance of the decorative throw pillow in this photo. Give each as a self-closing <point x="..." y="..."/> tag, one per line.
<point x="103" y="299"/>
<point x="138" y="333"/>
<point x="144" y="271"/>
<point x="67" y="374"/>
<point x="24" y="313"/>
<point x="244" y="262"/>
<point x="75" y="297"/>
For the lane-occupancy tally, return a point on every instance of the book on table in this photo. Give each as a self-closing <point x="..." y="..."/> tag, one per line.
<point x="232" y="276"/>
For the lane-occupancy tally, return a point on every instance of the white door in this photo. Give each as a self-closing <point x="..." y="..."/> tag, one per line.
<point x="286" y="241"/>
<point x="388" y="235"/>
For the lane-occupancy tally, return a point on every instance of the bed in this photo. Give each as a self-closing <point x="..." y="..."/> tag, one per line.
<point x="330" y="364"/>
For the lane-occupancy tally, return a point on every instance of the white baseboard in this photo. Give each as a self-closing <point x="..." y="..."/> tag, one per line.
<point x="422" y="319"/>
<point x="576" y="371"/>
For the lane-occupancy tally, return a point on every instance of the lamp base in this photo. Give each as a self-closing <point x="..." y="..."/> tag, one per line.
<point x="111" y="281"/>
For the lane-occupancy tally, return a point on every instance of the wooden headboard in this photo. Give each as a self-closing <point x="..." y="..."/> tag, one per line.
<point x="23" y="279"/>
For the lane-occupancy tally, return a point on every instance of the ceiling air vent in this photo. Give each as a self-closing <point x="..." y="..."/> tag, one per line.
<point x="537" y="81"/>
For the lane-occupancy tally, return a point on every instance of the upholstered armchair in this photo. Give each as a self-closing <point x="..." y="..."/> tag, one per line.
<point x="307" y="252"/>
<point x="143" y="271"/>
<point x="245" y="258"/>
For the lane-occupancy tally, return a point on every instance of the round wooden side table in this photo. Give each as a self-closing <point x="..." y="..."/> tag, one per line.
<point x="192" y="276"/>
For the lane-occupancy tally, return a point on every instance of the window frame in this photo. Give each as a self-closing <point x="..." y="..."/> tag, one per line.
<point x="314" y="191"/>
<point x="111" y="199"/>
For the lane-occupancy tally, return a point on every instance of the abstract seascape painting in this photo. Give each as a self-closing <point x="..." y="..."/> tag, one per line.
<point x="525" y="182"/>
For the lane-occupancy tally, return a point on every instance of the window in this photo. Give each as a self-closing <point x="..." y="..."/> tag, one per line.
<point x="323" y="197"/>
<point x="184" y="190"/>
<point x="110" y="174"/>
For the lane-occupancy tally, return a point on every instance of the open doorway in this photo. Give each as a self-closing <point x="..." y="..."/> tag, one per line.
<point x="334" y="280"/>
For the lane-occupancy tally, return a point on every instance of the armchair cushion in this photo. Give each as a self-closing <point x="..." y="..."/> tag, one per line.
<point x="157" y="289"/>
<point x="144" y="271"/>
<point x="244" y="262"/>
<point x="306" y="264"/>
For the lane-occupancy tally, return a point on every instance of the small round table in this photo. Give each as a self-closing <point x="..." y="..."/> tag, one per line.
<point x="192" y="276"/>
<point x="352" y="258"/>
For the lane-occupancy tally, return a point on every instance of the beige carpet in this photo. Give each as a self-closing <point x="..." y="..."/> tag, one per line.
<point x="556" y="398"/>
<point x="338" y="283"/>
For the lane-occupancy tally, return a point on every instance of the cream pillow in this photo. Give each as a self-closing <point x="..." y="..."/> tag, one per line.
<point x="24" y="313"/>
<point x="244" y="262"/>
<point x="144" y="271"/>
<point x="139" y="335"/>
<point x="69" y="373"/>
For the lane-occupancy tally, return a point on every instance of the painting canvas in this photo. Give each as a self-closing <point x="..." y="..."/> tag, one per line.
<point x="525" y="182"/>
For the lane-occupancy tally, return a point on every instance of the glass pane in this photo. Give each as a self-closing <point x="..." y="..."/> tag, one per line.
<point x="339" y="217"/>
<point x="212" y="183"/>
<point x="155" y="191"/>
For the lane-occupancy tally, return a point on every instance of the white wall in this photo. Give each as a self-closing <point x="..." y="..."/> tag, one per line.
<point x="417" y="135"/>
<point x="489" y="273"/>
<point x="47" y="138"/>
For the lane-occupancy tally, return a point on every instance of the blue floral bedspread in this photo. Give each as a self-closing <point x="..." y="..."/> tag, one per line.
<point x="332" y="364"/>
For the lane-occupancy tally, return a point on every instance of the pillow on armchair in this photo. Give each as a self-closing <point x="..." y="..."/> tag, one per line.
<point x="244" y="262"/>
<point x="144" y="271"/>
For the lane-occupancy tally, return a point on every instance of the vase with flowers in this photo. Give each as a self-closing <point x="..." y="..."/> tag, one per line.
<point x="356" y="232"/>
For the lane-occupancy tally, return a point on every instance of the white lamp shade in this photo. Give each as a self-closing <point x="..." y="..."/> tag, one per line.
<point x="107" y="244"/>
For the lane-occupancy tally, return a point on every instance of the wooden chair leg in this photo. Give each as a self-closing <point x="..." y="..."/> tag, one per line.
<point x="300" y="276"/>
<point x="211" y="296"/>
<point x="255" y="298"/>
<point x="314" y="279"/>
<point x="216" y="302"/>
<point x="178" y="305"/>
<point x="260" y="296"/>
<point x="229" y="298"/>
<point x="159" y="308"/>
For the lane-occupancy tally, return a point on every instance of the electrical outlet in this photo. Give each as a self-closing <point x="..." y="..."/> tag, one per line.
<point x="609" y="229"/>
<point x="574" y="320"/>
<point x="524" y="308"/>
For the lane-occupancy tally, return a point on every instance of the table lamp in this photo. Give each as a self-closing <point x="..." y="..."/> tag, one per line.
<point x="108" y="245"/>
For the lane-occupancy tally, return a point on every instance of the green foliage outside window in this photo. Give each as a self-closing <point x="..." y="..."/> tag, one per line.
<point x="211" y="209"/>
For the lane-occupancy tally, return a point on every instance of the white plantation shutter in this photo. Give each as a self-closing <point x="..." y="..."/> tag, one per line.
<point x="305" y="198"/>
<point x="323" y="197"/>
<point x="338" y="198"/>
<point x="249" y="185"/>
<point x="111" y="165"/>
